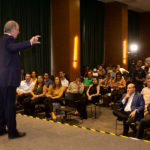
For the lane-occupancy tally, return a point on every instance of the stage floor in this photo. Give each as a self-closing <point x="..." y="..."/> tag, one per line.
<point x="46" y="135"/>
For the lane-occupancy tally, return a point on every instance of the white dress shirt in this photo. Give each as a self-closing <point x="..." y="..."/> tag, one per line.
<point x="65" y="83"/>
<point x="146" y="94"/>
<point x="128" y="106"/>
<point x="25" y="86"/>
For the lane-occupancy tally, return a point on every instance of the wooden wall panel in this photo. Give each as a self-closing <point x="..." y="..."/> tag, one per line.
<point x="65" y="25"/>
<point x="144" y="35"/>
<point x="116" y="31"/>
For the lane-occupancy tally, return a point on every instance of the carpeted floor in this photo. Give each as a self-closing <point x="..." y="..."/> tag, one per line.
<point x="105" y="120"/>
<point x="45" y="135"/>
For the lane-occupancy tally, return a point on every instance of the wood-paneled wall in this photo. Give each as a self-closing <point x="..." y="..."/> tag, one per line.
<point x="65" y="22"/>
<point x="116" y="31"/>
<point x="65" y="26"/>
<point x="144" y="35"/>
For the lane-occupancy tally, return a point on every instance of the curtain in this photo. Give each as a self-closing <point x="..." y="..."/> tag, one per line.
<point x="33" y="17"/>
<point x="133" y="37"/>
<point x="92" y="32"/>
<point x="133" y="27"/>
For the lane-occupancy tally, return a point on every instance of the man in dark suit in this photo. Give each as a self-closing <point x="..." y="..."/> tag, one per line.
<point x="10" y="76"/>
<point x="132" y="108"/>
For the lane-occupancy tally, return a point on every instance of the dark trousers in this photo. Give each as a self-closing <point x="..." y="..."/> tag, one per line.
<point x="94" y="100"/>
<point x="8" y="109"/>
<point x="144" y="123"/>
<point x="116" y="95"/>
<point x="106" y="100"/>
<point x="124" y="116"/>
<point x="20" y="98"/>
<point x="29" y="105"/>
<point x="48" y="106"/>
<point x="105" y="90"/>
<point x="77" y="101"/>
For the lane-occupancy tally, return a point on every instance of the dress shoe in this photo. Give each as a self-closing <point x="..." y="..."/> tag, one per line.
<point x="83" y="117"/>
<point x="3" y="132"/>
<point x="125" y="134"/>
<point x="17" y="135"/>
<point x="47" y="118"/>
<point x="133" y="127"/>
<point x="119" y="119"/>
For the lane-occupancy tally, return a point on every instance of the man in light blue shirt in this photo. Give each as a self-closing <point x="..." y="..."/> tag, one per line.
<point x="25" y="88"/>
<point x="112" y="72"/>
<point x="47" y="80"/>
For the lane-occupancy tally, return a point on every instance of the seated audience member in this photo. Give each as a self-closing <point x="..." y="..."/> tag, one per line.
<point x="112" y="71"/>
<point x="118" y="88"/>
<point x="47" y="80"/>
<point x="33" y="77"/>
<point x="88" y="80"/>
<point x="101" y="72"/>
<point x="95" y="73"/>
<point x="144" y="123"/>
<point x="146" y="95"/>
<point x="64" y="81"/>
<point x="37" y="95"/>
<point x="108" y="67"/>
<point x="52" y="78"/>
<point x="84" y="71"/>
<point x="132" y="108"/>
<point x="53" y="95"/>
<point x="22" y="74"/>
<point x="147" y="65"/>
<point x="122" y="70"/>
<point x="23" y="91"/>
<point x="138" y="76"/>
<point x="75" y="98"/>
<point x="106" y="84"/>
<point x="93" y="92"/>
<point x="105" y="89"/>
<point x="76" y="86"/>
<point x="146" y="68"/>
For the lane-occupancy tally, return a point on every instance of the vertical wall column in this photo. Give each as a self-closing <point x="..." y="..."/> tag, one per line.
<point x="144" y="33"/>
<point x="116" y="34"/>
<point x="66" y="37"/>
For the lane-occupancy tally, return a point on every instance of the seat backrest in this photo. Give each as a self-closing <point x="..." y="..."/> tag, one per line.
<point x="72" y="98"/>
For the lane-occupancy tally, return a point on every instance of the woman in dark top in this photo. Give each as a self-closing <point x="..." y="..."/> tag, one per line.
<point x="37" y="93"/>
<point x="93" y="91"/>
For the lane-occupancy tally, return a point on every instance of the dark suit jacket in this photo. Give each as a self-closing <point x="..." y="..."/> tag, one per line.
<point x="138" y="104"/>
<point x="10" y="60"/>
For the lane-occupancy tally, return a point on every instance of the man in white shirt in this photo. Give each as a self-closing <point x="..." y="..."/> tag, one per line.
<point x="95" y="73"/>
<point x="74" y="97"/>
<point x="64" y="81"/>
<point x="24" y="89"/>
<point x="146" y="95"/>
<point x="132" y="106"/>
<point x="76" y="86"/>
<point x="122" y="70"/>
